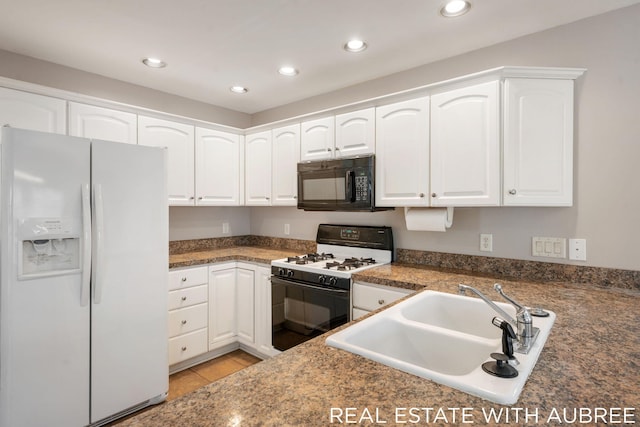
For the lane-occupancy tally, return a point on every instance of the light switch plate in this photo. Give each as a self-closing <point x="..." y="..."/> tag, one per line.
<point x="550" y="247"/>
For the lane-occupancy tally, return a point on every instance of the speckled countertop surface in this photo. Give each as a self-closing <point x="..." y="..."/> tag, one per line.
<point x="235" y="253"/>
<point x="591" y="360"/>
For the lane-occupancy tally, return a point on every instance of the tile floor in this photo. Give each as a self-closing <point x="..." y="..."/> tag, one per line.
<point x="200" y="375"/>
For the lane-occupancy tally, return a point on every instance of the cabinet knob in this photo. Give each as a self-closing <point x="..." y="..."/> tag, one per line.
<point x="434" y="195"/>
<point x="184" y="322"/>
<point x="184" y="348"/>
<point x="184" y="279"/>
<point x="380" y="301"/>
<point x="267" y="198"/>
<point x="512" y="191"/>
<point x="421" y="195"/>
<point x="295" y="197"/>
<point x="328" y="149"/>
<point x="337" y="148"/>
<point x="184" y="298"/>
<point x="191" y="198"/>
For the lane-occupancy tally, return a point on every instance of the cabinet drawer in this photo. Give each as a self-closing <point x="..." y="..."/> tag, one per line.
<point x="187" y="319"/>
<point x="179" y="279"/>
<point x="187" y="346"/>
<point x="371" y="297"/>
<point x="188" y="297"/>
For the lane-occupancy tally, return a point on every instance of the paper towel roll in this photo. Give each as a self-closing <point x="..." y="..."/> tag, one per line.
<point x="428" y="219"/>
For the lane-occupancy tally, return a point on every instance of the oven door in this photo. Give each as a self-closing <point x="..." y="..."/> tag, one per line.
<point x="301" y="311"/>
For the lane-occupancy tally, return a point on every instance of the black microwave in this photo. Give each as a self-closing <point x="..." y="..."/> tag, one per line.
<point x="337" y="185"/>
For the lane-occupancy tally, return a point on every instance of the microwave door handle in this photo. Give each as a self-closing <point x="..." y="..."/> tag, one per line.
<point x="351" y="186"/>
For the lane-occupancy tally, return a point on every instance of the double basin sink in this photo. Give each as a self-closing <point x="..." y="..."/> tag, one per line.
<point x="444" y="338"/>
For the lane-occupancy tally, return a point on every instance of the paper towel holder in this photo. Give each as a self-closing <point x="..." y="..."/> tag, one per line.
<point x="448" y="220"/>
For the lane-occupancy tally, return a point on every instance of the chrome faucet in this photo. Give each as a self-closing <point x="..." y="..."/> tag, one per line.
<point x="526" y="333"/>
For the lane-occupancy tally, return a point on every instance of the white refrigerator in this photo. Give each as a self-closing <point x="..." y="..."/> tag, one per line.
<point x="83" y="269"/>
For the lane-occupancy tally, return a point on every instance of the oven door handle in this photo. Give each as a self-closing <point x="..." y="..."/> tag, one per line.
<point x="277" y="280"/>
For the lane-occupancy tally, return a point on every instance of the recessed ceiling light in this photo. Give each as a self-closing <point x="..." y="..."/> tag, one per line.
<point x="455" y="8"/>
<point x="288" y="71"/>
<point x="355" y="46"/>
<point x="238" y="89"/>
<point x="154" y="62"/>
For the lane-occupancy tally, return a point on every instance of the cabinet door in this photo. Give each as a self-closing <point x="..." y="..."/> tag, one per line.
<point x="177" y="138"/>
<point x="88" y="121"/>
<point x="218" y="168"/>
<point x="26" y="110"/>
<point x="402" y="153"/>
<point x="286" y="155"/>
<point x="538" y="142"/>
<point x="263" y="319"/>
<point x="465" y="146"/>
<point x="355" y="133"/>
<point x="222" y="307"/>
<point x="258" y="169"/>
<point x="317" y="140"/>
<point x="245" y="292"/>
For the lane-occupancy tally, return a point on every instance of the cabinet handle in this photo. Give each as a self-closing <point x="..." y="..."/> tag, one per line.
<point x="199" y="198"/>
<point x="337" y="148"/>
<point x="328" y="149"/>
<point x="512" y="191"/>
<point x="421" y="195"/>
<point x="267" y="198"/>
<point x="184" y="322"/>
<point x="184" y="279"/>
<point x="434" y="195"/>
<point x="295" y="197"/>
<point x="191" y="198"/>
<point x="184" y="348"/>
<point x="380" y="301"/>
<point x="184" y="298"/>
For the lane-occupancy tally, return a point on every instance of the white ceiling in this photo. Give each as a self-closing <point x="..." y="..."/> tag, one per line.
<point x="210" y="45"/>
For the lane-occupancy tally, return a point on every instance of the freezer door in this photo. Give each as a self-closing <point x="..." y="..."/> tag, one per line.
<point x="129" y="277"/>
<point x="44" y="326"/>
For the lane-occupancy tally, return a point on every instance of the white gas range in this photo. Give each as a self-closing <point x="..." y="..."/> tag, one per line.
<point x="311" y="292"/>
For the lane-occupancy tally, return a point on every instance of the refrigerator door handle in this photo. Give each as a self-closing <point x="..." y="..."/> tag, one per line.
<point x="86" y="245"/>
<point x="98" y="260"/>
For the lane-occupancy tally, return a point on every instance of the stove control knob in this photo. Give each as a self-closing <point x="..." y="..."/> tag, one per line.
<point x="281" y="272"/>
<point x="332" y="281"/>
<point x="322" y="279"/>
<point x="289" y="273"/>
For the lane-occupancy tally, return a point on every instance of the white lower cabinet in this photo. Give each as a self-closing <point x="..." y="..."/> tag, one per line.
<point x="367" y="297"/>
<point x="245" y="305"/>
<point x="222" y="305"/>
<point x="188" y="313"/>
<point x="240" y="307"/>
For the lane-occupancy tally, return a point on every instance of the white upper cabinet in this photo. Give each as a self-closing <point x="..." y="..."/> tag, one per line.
<point x="538" y="142"/>
<point x="88" y="121"/>
<point x="178" y="139"/>
<point x="402" y="153"/>
<point x="318" y="139"/>
<point x="355" y="133"/>
<point x="258" y="169"/>
<point x="26" y="110"/>
<point x="219" y="172"/>
<point x="286" y="155"/>
<point x="465" y="146"/>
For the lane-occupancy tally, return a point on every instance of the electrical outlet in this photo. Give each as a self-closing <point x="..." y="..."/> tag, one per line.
<point x="287" y="229"/>
<point x="578" y="249"/>
<point x="486" y="242"/>
<point x="225" y="228"/>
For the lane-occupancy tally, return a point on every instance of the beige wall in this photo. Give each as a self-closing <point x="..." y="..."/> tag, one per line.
<point x="607" y="149"/>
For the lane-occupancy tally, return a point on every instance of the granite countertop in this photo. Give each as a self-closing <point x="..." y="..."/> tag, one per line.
<point x="591" y="360"/>
<point x="236" y="253"/>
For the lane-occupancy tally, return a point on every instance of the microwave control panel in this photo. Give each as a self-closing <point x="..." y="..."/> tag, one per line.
<point x="362" y="188"/>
